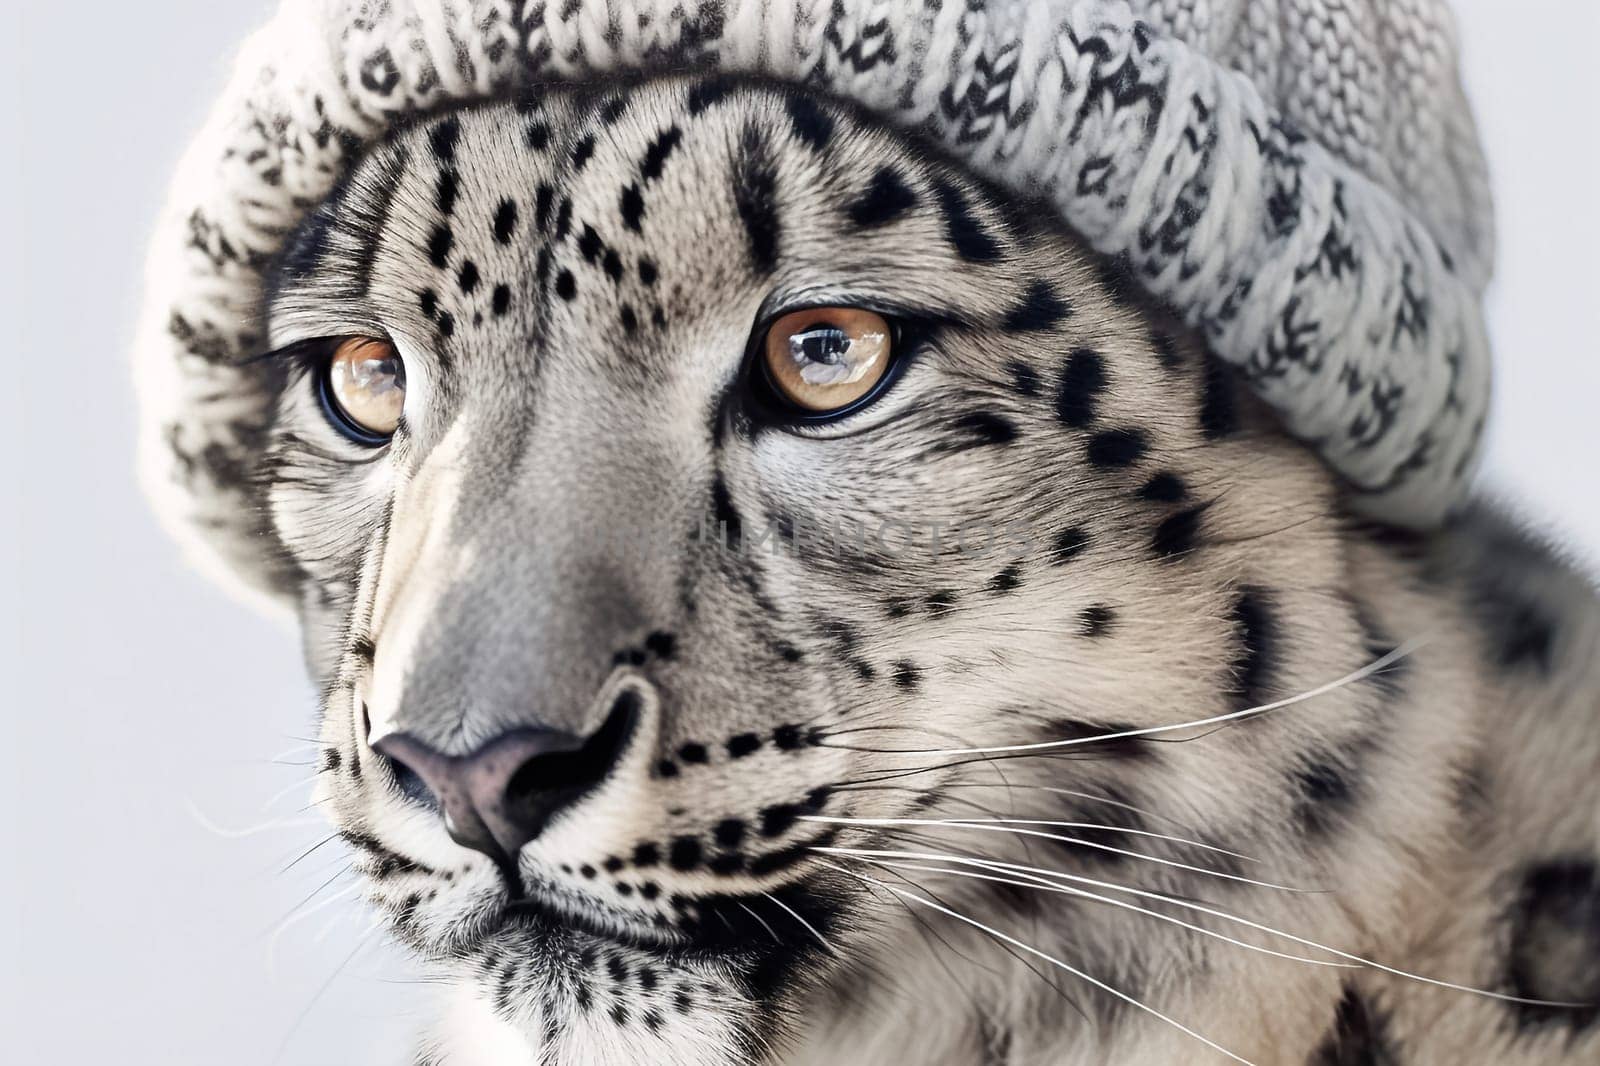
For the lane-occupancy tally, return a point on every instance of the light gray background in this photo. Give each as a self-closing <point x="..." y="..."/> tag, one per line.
<point x="139" y="705"/>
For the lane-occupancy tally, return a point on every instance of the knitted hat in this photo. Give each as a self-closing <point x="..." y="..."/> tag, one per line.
<point x="1299" y="179"/>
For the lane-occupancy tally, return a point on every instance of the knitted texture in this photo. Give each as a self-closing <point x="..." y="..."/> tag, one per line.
<point x="1299" y="179"/>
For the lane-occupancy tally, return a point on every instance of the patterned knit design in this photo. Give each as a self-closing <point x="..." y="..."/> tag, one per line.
<point x="1299" y="179"/>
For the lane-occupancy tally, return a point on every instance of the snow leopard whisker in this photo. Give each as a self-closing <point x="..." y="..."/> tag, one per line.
<point x="931" y="840"/>
<point x="762" y="922"/>
<point x="1379" y="664"/>
<point x="1008" y="949"/>
<point x="362" y="942"/>
<point x="898" y="773"/>
<point x="309" y="896"/>
<point x="1031" y="786"/>
<point x="270" y="825"/>
<point x="1079" y="893"/>
<point x="304" y="912"/>
<point x="998" y="822"/>
<point x="1052" y="960"/>
<point x="289" y="790"/>
<point x="1058" y="875"/>
<point x="804" y="924"/>
<point x="298" y="859"/>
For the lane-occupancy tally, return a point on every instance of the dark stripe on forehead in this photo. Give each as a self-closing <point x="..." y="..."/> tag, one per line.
<point x="655" y="156"/>
<point x="884" y="200"/>
<point x="755" y="182"/>
<point x="811" y="124"/>
<point x="443" y="137"/>
<point x="966" y="234"/>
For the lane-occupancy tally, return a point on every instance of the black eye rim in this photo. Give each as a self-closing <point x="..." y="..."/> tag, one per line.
<point x="335" y="413"/>
<point x="766" y="401"/>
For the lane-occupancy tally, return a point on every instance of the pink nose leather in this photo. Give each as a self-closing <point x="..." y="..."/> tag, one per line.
<point x="501" y="796"/>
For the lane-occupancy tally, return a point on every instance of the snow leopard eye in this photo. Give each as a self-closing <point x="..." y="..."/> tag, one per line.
<point x="827" y="360"/>
<point x="363" y="389"/>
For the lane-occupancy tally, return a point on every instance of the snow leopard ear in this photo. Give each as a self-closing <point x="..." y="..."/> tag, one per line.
<point x="1337" y="263"/>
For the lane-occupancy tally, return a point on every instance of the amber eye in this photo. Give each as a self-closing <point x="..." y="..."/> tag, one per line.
<point x="824" y="359"/>
<point x="364" y="388"/>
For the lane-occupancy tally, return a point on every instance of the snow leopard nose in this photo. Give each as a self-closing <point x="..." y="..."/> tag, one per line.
<point x="505" y="793"/>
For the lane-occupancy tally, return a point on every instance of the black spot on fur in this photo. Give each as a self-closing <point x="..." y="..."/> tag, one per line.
<point x="1097" y="620"/>
<point x="582" y="152"/>
<point x="501" y="299"/>
<point x="1326" y="793"/>
<point x="1529" y="638"/>
<point x="707" y="93"/>
<point x="1069" y="544"/>
<point x="646" y="856"/>
<point x="986" y="427"/>
<point x="778" y="819"/>
<point x="1359" y="1036"/>
<point x="906" y="675"/>
<point x="684" y="854"/>
<point x="647" y="270"/>
<point x="1164" y="487"/>
<point x="784" y="858"/>
<point x="632" y="207"/>
<point x="743" y="744"/>
<point x="445" y="191"/>
<point x="655" y="156"/>
<point x="1007" y="580"/>
<point x="755" y="186"/>
<point x="505" y="221"/>
<point x="1039" y="309"/>
<point x="966" y="234"/>
<point x="940" y="603"/>
<point x="1083" y="379"/>
<point x="1219" y="406"/>
<point x="467" y="277"/>
<point x="1178" y="534"/>
<point x="543" y="199"/>
<point x="439" y="243"/>
<point x="1555" y="944"/>
<point x="788" y="738"/>
<point x="693" y="753"/>
<point x="446" y="323"/>
<point x="443" y="137"/>
<point x="886" y="198"/>
<point x="811" y="124"/>
<point x="589" y="244"/>
<point x="566" y="285"/>
<point x="612" y="110"/>
<point x="1255" y="623"/>
<point x="538" y="135"/>
<point x="1117" y="447"/>
<point x="1024" y="378"/>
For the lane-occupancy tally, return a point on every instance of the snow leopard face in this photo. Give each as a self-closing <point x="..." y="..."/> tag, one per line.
<point x="695" y="487"/>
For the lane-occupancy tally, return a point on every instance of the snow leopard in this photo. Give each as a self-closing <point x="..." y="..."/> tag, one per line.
<point x="777" y="598"/>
